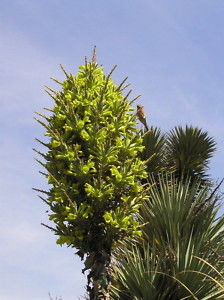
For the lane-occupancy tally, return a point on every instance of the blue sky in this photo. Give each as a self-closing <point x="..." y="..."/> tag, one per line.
<point x="172" y="51"/>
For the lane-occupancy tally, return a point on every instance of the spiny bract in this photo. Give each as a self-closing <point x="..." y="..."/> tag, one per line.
<point x="92" y="161"/>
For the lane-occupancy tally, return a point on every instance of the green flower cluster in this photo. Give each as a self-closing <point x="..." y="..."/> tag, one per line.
<point x="92" y="162"/>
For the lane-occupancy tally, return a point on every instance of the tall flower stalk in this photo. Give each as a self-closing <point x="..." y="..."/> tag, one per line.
<point x="93" y="168"/>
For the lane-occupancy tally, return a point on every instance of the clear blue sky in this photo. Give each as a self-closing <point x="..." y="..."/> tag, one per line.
<point x="172" y="51"/>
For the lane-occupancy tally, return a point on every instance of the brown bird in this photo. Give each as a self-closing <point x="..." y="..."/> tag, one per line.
<point x="141" y="116"/>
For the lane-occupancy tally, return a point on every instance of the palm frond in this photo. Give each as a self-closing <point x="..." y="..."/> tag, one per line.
<point x="188" y="150"/>
<point x="153" y="153"/>
<point x="179" y="246"/>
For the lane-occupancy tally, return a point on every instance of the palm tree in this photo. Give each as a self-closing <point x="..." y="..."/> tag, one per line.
<point x="188" y="151"/>
<point x="181" y="252"/>
<point x="180" y="255"/>
<point x="185" y="151"/>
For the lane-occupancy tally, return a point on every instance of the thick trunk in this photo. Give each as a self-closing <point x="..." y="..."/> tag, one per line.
<point x="99" y="277"/>
<point x="97" y="293"/>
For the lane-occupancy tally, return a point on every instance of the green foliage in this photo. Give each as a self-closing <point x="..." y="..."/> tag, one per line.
<point x="181" y="256"/>
<point x="188" y="151"/>
<point x="94" y="166"/>
<point x="154" y="151"/>
<point x="92" y="162"/>
<point x="184" y="151"/>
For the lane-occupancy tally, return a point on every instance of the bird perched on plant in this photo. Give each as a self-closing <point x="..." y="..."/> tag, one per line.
<point x="141" y="116"/>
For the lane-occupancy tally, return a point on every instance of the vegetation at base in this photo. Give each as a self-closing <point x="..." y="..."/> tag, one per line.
<point x="181" y="252"/>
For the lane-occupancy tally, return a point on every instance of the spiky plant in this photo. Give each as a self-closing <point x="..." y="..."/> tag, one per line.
<point x="184" y="151"/>
<point x="188" y="151"/>
<point x="181" y="256"/>
<point x="154" y="141"/>
<point x="93" y="168"/>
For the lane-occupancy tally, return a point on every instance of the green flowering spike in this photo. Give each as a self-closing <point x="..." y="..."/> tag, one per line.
<point x="92" y="164"/>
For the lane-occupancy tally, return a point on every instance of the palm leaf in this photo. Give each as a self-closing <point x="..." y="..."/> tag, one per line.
<point x="153" y="153"/>
<point x="188" y="151"/>
<point x="180" y="245"/>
